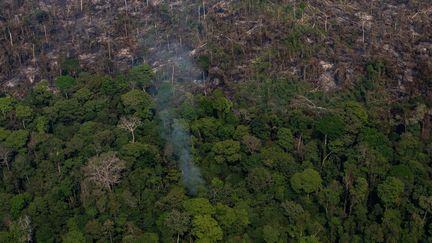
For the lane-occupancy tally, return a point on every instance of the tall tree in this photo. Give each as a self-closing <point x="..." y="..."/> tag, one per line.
<point x="104" y="170"/>
<point x="130" y="124"/>
<point x="206" y="229"/>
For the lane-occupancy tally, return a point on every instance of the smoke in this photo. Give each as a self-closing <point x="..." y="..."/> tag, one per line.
<point x="181" y="140"/>
<point x="169" y="51"/>
<point x="176" y="75"/>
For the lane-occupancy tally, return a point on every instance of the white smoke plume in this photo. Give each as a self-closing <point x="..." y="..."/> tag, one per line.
<point x="176" y="75"/>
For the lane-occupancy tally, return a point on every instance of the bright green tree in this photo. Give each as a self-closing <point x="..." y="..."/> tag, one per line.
<point x="65" y="84"/>
<point x="197" y="206"/>
<point x="307" y="181"/>
<point x="285" y="139"/>
<point x="136" y="101"/>
<point x="206" y="229"/>
<point x="6" y="105"/>
<point x="23" y="113"/>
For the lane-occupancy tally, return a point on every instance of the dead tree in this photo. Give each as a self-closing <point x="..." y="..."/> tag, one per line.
<point x="130" y="124"/>
<point x="4" y="155"/>
<point x="104" y="170"/>
<point x="302" y="101"/>
<point x="24" y="228"/>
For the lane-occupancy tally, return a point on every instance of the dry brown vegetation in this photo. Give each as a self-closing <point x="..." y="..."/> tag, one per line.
<point x="328" y="43"/>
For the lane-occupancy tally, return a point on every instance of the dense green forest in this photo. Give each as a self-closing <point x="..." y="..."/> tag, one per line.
<point x="87" y="161"/>
<point x="215" y="121"/>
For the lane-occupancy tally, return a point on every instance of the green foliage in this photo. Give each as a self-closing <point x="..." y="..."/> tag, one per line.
<point x="206" y="128"/>
<point x="359" y="191"/>
<point x="409" y="146"/>
<point x="374" y="70"/>
<point x="65" y="83"/>
<point x="355" y="115"/>
<point x="285" y="139"/>
<point x="376" y="140"/>
<point x="41" y="124"/>
<point x="307" y="181"/>
<point x="177" y="222"/>
<point x="74" y="236"/>
<point x="271" y="234"/>
<point x="402" y="172"/>
<point x="390" y="191"/>
<point x="330" y="125"/>
<point x="274" y="171"/>
<point x="144" y="238"/>
<point x="113" y="87"/>
<point x="41" y="96"/>
<point x="141" y="75"/>
<point x="6" y="104"/>
<point x="197" y="206"/>
<point x="4" y="133"/>
<point x="226" y="151"/>
<point x="204" y="62"/>
<point x="259" y="180"/>
<point x="71" y="66"/>
<point x="23" y="111"/>
<point x="222" y="105"/>
<point x="17" y="139"/>
<point x="18" y="203"/>
<point x="141" y="155"/>
<point x="206" y="229"/>
<point x="309" y="239"/>
<point x="294" y="43"/>
<point x="292" y="211"/>
<point x="231" y="219"/>
<point x="136" y="101"/>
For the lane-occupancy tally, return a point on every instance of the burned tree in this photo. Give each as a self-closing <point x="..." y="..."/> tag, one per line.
<point x="104" y="170"/>
<point x="4" y="155"/>
<point x="130" y="124"/>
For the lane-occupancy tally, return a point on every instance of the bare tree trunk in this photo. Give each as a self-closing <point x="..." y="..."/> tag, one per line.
<point x="172" y="76"/>
<point x="325" y="24"/>
<point x="199" y="13"/>
<point x="46" y="35"/>
<point x="5" y="160"/>
<point x="34" y="54"/>
<point x="11" y="39"/>
<point x="204" y="13"/>
<point x="58" y="168"/>
<point x="325" y="158"/>
<point x="109" y="50"/>
<point x="304" y="72"/>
